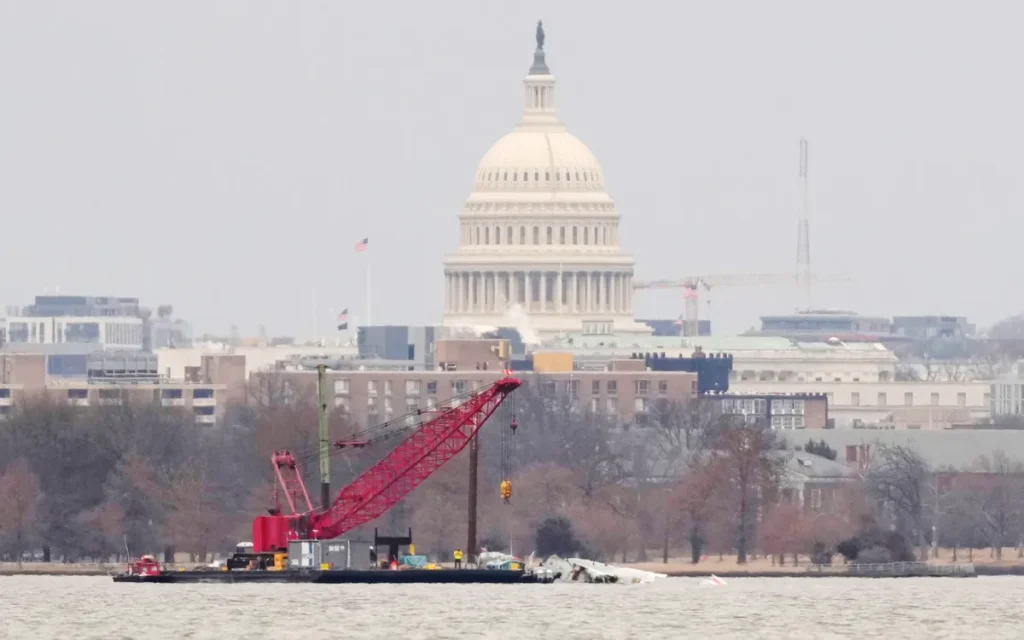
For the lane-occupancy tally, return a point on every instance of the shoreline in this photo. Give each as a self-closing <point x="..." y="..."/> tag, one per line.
<point x="673" y="570"/>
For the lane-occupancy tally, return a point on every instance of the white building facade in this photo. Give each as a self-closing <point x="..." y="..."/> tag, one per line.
<point x="539" y="234"/>
<point x="120" y="333"/>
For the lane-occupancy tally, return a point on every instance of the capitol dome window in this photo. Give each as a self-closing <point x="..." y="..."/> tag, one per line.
<point x="577" y="176"/>
<point x="506" y="176"/>
<point x="584" y="176"/>
<point x="487" y="236"/>
<point x="547" y="176"/>
<point x="536" y="235"/>
<point x="558" y="175"/>
<point x="586" y="235"/>
<point x="477" y="235"/>
<point x="536" y="176"/>
<point x="561" y="235"/>
<point x="574" y="230"/>
<point x="549" y="235"/>
<point x="511" y="238"/>
<point x="497" y="235"/>
<point x="522" y="235"/>
<point x="515" y="176"/>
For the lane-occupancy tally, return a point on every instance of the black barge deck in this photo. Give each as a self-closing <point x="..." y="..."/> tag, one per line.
<point x="381" y="576"/>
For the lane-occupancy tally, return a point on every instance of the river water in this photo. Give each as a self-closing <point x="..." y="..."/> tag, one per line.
<point x="86" y="607"/>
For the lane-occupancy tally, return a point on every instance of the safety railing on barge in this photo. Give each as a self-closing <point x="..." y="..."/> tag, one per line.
<point x="896" y="569"/>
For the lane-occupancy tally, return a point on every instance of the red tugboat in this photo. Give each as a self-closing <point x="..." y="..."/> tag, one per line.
<point x="287" y="546"/>
<point x="146" y="566"/>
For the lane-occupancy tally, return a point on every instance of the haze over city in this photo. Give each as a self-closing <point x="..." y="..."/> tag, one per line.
<point x="225" y="156"/>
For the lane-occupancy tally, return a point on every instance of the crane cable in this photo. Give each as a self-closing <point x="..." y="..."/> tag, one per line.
<point x="507" y="446"/>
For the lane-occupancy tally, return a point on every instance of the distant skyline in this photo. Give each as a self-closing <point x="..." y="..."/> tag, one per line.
<point x="225" y="157"/>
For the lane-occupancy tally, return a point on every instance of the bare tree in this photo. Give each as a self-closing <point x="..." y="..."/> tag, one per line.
<point x="747" y="459"/>
<point x="898" y="481"/>
<point x="19" y="495"/>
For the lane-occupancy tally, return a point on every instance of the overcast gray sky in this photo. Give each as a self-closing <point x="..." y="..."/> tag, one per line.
<point x="225" y="157"/>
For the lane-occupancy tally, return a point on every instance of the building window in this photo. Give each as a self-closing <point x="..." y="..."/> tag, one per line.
<point x="387" y="387"/>
<point x="595" y="387"/>
<point x="171" y="394"/>
<point x="574" y="236"/>
<point x="881" y="399"/>
<point x="341" y="386"/>
<point x="573" y="387"/>
<point x="640" y="404"/>
<point x="961" y="399"/>
<point x="388" y="409"/>
<point x="612" y="387"/>
<point x="612" y="406"/>
<point x="412" y="387"/>
<point x="459" y="387"/>
<point x="641" y="387"/>
<point x="586" y="235"/>
<point x="487" y="235"/>
<point x="203" y="411"/>
<point x="547" y="389"/>
<point x="561" y="235"/>
<point x="662" y="386"/>
<point x="82" y="394"/>
<point x="497" y="235"/>
<point x="511" y="240"/>
<point x="536" y="235"/>
<point x="908" y="398"/>
<point x="371" y="387"/>
<point x="476" y="231"/>
<point x="935" y="399"/>
<point x="201" y="394"/>
<point x="522" y="235"/>
<point x="343" y="403"/>
<point x="595" y="405"/>
<point x="549" y="235"/>
<point x="432" y="388"/>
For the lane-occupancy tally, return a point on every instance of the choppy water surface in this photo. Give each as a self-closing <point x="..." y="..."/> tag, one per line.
<point x="52" y="607"/>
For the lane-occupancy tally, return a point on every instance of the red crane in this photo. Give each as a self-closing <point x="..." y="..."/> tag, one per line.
<point x="380" y="487"/>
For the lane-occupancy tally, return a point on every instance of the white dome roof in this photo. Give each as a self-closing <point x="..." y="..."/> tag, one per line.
<point x="539" y="158"/>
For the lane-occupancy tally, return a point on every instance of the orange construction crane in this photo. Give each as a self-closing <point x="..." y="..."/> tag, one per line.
<point x="691" y="286"/>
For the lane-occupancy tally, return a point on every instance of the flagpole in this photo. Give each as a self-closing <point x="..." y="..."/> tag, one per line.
<point x="369" y="299"/>
<point x="314" y="315"/>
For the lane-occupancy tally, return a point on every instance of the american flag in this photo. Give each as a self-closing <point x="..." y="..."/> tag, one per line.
<point x="363" y="244"/>
<point x="343" y="320"/>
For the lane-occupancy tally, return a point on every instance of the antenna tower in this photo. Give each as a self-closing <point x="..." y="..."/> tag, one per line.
<point x="803" y="242"/>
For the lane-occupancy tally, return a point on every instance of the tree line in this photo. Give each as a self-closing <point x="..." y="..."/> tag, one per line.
<point x="102" y="482"/>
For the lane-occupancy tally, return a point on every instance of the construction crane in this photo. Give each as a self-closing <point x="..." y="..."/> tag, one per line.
<point x="428" y="447"/>
<point x="692" y="285"/>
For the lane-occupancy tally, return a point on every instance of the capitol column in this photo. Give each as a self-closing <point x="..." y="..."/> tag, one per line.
<point x="456" y="292"/>
<point x="560" y="291"/>
<point x="615" y="292"/>
<point x="528" y="290"/>
<point x="543" y="291"/>
<point x="448" y="292"/>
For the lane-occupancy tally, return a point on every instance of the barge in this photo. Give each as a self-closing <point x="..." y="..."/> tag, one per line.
<point x="353" y="576"/>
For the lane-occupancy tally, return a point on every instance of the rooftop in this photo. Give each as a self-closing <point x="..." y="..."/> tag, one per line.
<point x="605" y="343"/>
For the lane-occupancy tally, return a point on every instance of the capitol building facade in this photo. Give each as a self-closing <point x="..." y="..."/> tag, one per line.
<point x="539" y="234"/>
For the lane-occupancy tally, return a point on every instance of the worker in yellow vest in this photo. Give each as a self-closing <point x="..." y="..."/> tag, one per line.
<point x="457" y="555"/>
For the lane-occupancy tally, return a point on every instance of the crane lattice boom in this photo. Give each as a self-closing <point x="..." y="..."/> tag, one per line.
<point x="384" y="484"/>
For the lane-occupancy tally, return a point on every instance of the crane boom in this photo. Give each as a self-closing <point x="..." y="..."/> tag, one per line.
<point x="383" y="485"/>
